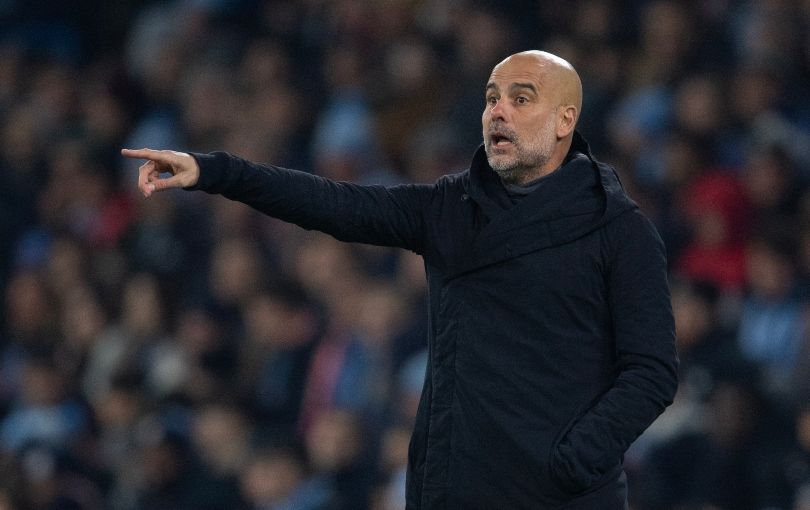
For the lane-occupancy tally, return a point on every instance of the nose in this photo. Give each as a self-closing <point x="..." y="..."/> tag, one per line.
<point x="497" y="111"/>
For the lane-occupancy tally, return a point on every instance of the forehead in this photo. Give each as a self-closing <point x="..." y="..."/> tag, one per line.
<point x="522" y="70"/>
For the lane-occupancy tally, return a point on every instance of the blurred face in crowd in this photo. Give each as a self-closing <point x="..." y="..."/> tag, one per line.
<point x="271" y="477"/>
<point x="28" y="306"/>
<point x="692" y="316"/>
<point x="334" y="441"/>
<point x="42" y="384"/>
<point x="533" y="100"/>
<point x="236" y="264"/>
<point x="143" y="306"/>
<point x="803" y="428"/>
<point x="770" y="273"/>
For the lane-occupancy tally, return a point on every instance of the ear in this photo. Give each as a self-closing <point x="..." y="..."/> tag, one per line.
<point x="566" y="120"/>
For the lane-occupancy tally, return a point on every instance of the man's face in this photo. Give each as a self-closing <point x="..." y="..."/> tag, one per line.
<point x="519" y="119"/>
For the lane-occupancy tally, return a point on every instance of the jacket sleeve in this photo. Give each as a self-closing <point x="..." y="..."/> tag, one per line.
<point x="385" y="216"/>
<point x="644" y="332"/>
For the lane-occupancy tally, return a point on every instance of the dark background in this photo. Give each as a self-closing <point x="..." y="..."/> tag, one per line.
<point x="184" y="352"/>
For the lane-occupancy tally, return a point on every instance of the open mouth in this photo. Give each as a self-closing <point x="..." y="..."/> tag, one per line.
<point x="499" y="140"/>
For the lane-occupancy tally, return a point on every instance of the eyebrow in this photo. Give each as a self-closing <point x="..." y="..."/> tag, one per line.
<point x="514" y="86"/>
<point x="529" y="86"/>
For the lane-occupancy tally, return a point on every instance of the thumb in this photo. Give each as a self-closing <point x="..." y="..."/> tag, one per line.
<point x="175" y="181"/>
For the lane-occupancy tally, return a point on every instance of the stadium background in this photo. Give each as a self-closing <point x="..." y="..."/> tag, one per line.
<point x="183" y="352"/>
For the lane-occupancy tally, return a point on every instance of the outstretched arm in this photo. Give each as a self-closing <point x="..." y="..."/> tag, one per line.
<point x="386" y="216"/>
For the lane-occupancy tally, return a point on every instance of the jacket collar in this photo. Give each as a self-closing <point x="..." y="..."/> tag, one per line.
<point x="581" y="176"/>
<point x="576" y="199"/>
<point x="486" y="188"/>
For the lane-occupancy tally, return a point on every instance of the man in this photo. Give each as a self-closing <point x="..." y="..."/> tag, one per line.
<point x="551" y="335"/>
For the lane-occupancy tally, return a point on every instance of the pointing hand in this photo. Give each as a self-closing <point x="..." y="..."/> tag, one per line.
<point x="182" y="166"/>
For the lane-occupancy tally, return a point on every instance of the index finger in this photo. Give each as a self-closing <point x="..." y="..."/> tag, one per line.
<point x="151" y="154"/>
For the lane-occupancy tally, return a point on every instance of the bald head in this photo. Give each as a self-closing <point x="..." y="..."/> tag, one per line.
<point x="558" y="73"/>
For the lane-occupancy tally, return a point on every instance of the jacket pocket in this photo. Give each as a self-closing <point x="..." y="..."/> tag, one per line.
<point x="566" y="467"/>
<point x="608" y="496"/>
<point x="557" y="476"/>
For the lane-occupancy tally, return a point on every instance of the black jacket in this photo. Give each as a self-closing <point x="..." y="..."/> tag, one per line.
<point x="551" y="332"/>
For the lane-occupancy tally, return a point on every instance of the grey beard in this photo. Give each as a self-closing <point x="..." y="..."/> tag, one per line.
<point x="511" y="174"/>
<point x="515" y="173"/>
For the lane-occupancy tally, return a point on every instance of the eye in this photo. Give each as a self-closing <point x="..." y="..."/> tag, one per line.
<point x="491" y="100"/>
<point x="522" y="100"/>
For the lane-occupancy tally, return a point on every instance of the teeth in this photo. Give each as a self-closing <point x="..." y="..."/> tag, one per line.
<point x="500" y="140"/>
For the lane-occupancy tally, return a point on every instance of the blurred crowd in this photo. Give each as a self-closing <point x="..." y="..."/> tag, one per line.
<point x="184" y="352"/>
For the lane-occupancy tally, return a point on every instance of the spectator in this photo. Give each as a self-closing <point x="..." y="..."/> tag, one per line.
<point x="711" y="466"/>
<point x="338" y="452"/>
<point x="282" y="329"/>
<point x="44" y="412"/>
<point x="773" y="320"/>
<point x="718" y="215"/>
<point x="221" y="436"/>
<point x="275" y="479"/>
